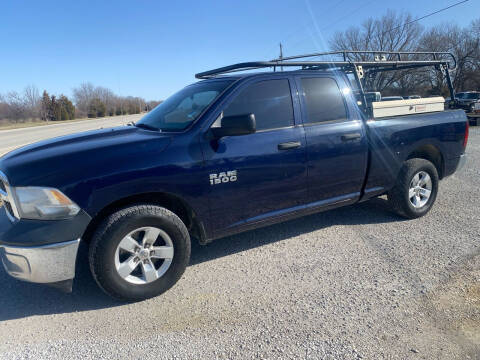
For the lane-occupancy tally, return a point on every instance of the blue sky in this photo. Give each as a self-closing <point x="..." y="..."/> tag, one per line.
<point x="153" y="48"/>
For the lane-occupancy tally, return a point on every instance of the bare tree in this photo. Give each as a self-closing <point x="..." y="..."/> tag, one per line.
<point x="108" y="98"/>
<point x="88" y="97"/>
<point x="30" y="105"/>
<point x="3" y="108"/>
<point x="391" y="32"/>
<point x="464" y="44"/>
<point x="82" y="96"/>
<point x="397" y="32"/>
<point x="16" y="106"/>
<point x="466" y="47"/>
<point x="31" y="98"/>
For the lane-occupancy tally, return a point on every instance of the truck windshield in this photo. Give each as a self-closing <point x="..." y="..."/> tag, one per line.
<point x="471" y="96"/>
<point x="468" y="96"/>
<point x="183" y="108"/>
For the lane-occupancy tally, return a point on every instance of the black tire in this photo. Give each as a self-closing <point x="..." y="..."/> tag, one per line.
<point x="114" y="228"/>
<point x="398" y="196"/>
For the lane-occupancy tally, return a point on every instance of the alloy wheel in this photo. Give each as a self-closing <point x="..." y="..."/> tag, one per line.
<point x="420" y="189"/>
<point x="144" y="255"/>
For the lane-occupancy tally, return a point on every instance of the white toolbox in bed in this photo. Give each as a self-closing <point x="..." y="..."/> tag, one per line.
<point x="407" y="107"/>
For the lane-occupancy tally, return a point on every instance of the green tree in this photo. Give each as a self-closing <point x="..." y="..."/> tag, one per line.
<point x="56" y="109"/>
<point x="96" y="108"/>
<point x="67" y="110"/>
<point x="46" y="107"/>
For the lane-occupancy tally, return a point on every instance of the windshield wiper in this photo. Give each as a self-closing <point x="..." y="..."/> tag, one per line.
<point x="146" y="127"/>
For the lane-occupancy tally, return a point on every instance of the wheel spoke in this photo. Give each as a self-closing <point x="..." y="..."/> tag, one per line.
<point x="425" y="181"/>
<point x="149" y="272"/>
<point x="128" y="244"/>
<point x="162" y="252"/>
<point x="127" y="267"/>
<point x="151" y="235"/>
<point x="428" y="182"/>
<point x="411" y="193"/>
<point x="417" y="200"/>
<point x="425" y="192"/>
<point x="416" y="179"/>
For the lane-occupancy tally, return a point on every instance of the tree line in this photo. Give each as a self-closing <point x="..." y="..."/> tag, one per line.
<point x="88" y="101"/>
<point x="390" y="32"/>
<point x="97" y="101"/>
<point x="400" y="32"/>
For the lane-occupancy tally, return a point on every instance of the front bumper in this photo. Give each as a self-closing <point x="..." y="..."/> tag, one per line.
<point x="41" y="264"/>
<point x="41" y="251"/>
<point x="466" y="106"/>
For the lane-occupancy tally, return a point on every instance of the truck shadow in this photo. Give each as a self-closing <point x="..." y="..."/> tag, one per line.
<point x="19" y="300"/>
<point x="375" y="211"/>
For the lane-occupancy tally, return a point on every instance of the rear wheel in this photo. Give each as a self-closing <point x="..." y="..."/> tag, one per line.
<point x="416" y="189"/>
<point x="139" y="252"/>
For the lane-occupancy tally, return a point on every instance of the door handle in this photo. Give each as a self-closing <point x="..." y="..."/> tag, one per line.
<point x="350" y="137"/>
<point x="289" y="145"/>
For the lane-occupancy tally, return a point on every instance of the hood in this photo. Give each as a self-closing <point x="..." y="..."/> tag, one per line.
<point x="57" y="161"/>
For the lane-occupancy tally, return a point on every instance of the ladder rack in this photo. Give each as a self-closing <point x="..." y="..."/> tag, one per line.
<point x="358" y="62"/>
<point x="382" y="61"/>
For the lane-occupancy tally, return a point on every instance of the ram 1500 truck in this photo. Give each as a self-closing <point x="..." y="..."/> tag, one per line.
<point x="224" y="155"/>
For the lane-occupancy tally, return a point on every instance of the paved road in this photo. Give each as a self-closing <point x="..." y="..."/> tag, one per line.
<point x="10" y="139"/>
<point x="357" y="282"/>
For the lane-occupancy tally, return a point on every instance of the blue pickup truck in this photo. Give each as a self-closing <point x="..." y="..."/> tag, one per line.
<point x="229" y="153"/>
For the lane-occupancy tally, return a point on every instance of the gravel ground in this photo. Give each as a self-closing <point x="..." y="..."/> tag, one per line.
<point x="353" y="283"/>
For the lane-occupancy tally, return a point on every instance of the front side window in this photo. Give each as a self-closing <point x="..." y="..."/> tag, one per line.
<point x="323" y="100"/>
<point x="183" y="108"/>
<point x="270" y="101"/>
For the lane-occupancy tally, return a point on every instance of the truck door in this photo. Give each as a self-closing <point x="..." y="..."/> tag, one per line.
<point x="258" y="176"/>
<point x="337" y="148"/>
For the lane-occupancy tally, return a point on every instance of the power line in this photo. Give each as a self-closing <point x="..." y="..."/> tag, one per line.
<point x="395" y="28"/>
<point x="348" y="15"/>
<point x="425" y="16"/>
<point x="298" y="31"/>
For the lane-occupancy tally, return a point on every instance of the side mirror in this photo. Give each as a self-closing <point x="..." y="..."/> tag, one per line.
<point x="235" y="126"/>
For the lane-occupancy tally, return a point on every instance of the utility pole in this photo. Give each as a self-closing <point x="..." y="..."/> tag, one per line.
<point x="281" y="55"/>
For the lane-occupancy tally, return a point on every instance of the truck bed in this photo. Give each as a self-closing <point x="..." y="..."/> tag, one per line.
<point x="393" y="139"/>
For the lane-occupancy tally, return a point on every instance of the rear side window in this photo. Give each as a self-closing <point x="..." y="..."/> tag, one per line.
<point x="323" y="100"/>
<point x="270" y="101"/>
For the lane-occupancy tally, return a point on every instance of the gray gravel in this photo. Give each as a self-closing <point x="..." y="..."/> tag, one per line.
<point x="357" y="282"/>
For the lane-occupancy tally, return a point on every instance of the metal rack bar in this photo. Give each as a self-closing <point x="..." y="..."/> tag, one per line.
<point x="442" y="60"/>
<point x="347" y="60"/>
<point x="315" y="65"/>
<point x="345" y="54"/>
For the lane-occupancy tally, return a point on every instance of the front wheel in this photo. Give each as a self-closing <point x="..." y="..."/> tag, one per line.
<point x="139" y="252"/>
<point x="415" y="190"/>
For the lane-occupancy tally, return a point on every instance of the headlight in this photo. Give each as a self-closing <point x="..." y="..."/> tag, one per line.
<point x="43" y="204"/>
